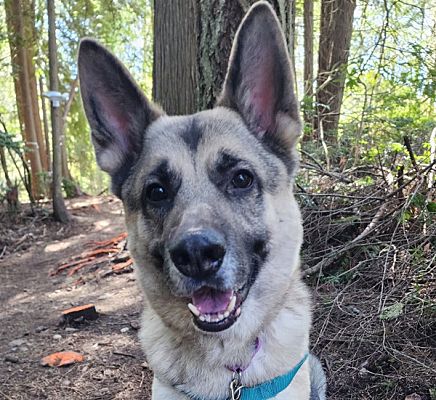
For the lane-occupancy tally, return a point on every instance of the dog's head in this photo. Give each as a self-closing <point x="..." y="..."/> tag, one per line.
<point x="213" y="226"/>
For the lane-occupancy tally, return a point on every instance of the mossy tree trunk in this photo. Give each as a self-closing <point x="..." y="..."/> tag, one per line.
<point x="192" y="44"/>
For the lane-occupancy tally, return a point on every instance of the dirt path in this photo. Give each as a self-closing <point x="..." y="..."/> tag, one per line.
<point x="31" y="303"/>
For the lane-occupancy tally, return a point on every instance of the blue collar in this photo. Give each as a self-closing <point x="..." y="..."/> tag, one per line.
<point x="272" y="388"/>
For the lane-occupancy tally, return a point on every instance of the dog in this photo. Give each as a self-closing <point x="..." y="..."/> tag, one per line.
<point x="213" y="226"/>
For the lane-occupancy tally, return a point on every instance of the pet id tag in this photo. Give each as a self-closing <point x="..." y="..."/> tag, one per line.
<point x="236" y="386"/>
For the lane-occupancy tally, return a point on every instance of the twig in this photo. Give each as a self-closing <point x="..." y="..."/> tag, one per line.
<point x="411" y="358"/>
<point x="410" y="151"/>
<point x="325" y="262"/>
<point x="120" y="353"/>
<point x="327" y="173"/>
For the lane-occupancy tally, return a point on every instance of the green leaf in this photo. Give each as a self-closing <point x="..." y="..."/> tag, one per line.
<point x="392" y="312"/>
<point x="431" y="206"/>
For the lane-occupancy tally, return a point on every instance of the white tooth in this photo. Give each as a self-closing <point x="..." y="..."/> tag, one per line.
<point x="194" y="309"/>
<point x="226" y="314"/>
<point x="202" y="318"/>
<point x="232" y="304"/>
<point x="207" y="317"/>
<point x="220" y="317"/>
<point x="238" y="312"/>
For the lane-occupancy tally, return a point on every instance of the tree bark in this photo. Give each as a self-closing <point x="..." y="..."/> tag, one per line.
<point x="66" y="173"/>
<point x="30" y="34"/>
<point x="334" y="45"/>
<point x="175" y="75"/>
<point x="59" y="210"/>
<point x="219" y="21"/>
<point x="45" y="121"/>
<point x="5" y="167"/>
<point x="308" y="64"/>
<point x="192" y="44"/>
<point x="65" y="170"/>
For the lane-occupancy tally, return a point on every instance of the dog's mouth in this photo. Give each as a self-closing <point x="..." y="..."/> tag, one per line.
<point x="215" y="310"/>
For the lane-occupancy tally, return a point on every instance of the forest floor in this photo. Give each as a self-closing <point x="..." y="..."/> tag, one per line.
<point x="32" y="302"/>
<point x="32" y="299"/>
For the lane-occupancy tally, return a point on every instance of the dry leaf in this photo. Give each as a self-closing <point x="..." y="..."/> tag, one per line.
<point x="61" y="359"/>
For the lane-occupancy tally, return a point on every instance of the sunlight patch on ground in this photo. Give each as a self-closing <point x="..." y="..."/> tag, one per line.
<point x="104" y="223"/>
<point x="62" y="245"/>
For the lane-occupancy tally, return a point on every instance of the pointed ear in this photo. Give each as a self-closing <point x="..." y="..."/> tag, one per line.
<point x="258" y="83"/>
<point x="117" y="110"/>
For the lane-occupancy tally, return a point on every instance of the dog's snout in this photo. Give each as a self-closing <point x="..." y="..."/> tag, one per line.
<point x="198" y="255"/>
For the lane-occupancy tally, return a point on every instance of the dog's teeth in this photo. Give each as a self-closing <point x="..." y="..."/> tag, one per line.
<point x="194" y="309"/>
<point x="232" y="304"/>
<point x="220" y="317"/>
<point x="226" y="314"/>
<point x="238" y="312"/>
<point x="207" y="317"/>
<point x="202" y="318"/>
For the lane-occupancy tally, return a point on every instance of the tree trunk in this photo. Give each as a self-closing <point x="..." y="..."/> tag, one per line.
<point x="308" y="64"/>
<point x="5" y="167"/>
<point x="59" y="210"/>
<point x="75" y="190"/>
<point x="175" y="55"/>
<point x="30" y="34"/>
<point x="192" y="44"/>
<point x="45" y="121"/>
<point x="334" y="45"/>
<point x="18" y="41"/>
<point x="219" y="20"/>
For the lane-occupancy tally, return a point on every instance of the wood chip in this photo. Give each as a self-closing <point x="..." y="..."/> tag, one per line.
<point x="87" y="312"/>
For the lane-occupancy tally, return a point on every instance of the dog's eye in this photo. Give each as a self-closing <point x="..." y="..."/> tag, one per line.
<point x="243" y="179"/>
<point x="156" y="193"/>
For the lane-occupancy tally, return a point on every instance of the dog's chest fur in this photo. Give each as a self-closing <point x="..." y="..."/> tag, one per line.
<point x="198" y="365"/>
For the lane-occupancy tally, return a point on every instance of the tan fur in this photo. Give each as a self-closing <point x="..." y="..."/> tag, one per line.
<point x="257" y="124"/>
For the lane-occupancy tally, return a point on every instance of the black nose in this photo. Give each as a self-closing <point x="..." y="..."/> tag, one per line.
<point x="198" y="255"/>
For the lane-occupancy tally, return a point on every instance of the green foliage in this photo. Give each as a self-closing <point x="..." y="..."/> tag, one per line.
<point x="390" y="88"/>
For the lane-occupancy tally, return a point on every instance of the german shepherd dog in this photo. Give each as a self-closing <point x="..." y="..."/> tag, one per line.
<point x="214" y="229"/>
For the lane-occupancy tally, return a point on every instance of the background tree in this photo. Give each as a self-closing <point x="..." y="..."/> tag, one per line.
<point x="334" y="45"/>
<point x="59" y="210"/>
<point x="175" y="55"/>
<point x="192" y="44"/>
<point x="20" y="22"/>
<point x="308" y="65"/>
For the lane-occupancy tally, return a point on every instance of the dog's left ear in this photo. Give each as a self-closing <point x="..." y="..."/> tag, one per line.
<point x="258" y="83"/>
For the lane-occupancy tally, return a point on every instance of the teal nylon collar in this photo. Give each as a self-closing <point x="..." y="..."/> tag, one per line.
<point x="272" y="388"/>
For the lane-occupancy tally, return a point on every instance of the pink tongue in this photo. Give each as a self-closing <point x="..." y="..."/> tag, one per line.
<point x="210" y="301"/>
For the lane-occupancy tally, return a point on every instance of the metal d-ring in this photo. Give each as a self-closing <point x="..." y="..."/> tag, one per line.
<point x="236" y="385"/>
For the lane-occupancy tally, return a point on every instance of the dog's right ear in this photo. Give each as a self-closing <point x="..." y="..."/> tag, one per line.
<point x="117" y="110"/>
<point x="258" y="83"/>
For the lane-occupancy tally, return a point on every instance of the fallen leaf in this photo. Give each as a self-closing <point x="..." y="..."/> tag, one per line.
<point x="62" y="359"/>
<point x="392" y="312"/>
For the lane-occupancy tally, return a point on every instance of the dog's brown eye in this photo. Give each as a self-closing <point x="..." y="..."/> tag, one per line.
<point x="243" y="179"/>
<point x="156" y="193"/>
